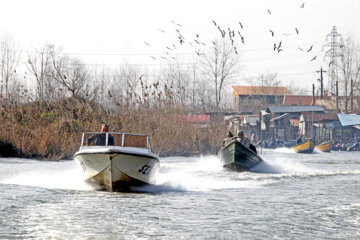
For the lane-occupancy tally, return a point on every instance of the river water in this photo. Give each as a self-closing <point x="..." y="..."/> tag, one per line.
<point x="289" y="196"/>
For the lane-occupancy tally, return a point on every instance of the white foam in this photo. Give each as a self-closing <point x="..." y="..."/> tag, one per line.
<point x="61" y="175"/>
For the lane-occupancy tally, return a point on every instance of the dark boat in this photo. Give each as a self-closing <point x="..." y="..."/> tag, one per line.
<point x="236" y="156"/>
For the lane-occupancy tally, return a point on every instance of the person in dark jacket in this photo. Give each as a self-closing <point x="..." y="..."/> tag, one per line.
<point x="100" y="138"/>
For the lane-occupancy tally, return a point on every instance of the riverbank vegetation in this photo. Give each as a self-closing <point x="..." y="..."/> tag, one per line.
<point x="48" y="98"/>
<point x="46" y="119"/>
<point x="53" y="131"/>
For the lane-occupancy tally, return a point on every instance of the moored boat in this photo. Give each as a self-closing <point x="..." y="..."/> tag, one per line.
<point x="304" y="147"/>
<point x="324" y="147"/>
<point x="236" y="156"/>
<point x="117" y="161"/>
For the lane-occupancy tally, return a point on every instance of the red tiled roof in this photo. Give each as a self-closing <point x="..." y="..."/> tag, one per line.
<point x="258" y="90"/>
<point x="302" y="100"/>
<point x="196" y="118"/>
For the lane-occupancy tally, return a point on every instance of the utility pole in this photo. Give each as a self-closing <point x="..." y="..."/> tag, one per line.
<point x="321" y="82"/>
<point x="334" y="42"/>
<point x="313" y="101"/>
<point x="351" y="95"/>
<point x="337" y="97"/>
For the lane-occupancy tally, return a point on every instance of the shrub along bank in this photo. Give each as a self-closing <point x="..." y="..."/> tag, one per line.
<point x="53" y="131"/>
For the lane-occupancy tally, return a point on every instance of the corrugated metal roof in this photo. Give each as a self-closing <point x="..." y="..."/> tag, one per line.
<point x="349" y="119"/>
<point x="293" y="109"/>
<point x="258" y="90"/>
<point x="319" y="117"/>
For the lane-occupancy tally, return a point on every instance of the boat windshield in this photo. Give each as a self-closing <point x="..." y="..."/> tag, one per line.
<point x="115" y="139"/>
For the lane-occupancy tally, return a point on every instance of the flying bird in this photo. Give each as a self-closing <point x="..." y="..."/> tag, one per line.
<point x="274" y="46"/>
<point x="242" y="39"/>
<point x="214" y="23"/>
<point x="279" y="46"/>
<point x="241" y="25"/>
<point x="153" y="57"/>
<point x="297" y="31"/>
<point x="162" y="30"/>
<point x="328" y="51"/>
<point x="302" y="5"/>
<point x="147" y="43"/>
<point x="313" y="59"/>
<point x="175" y="23"/>
<point x="310" y="48"/>
<point x="269" y="11"/>
<point x="300" y="49"/>
<point x="331" y="63"/>
<point x="272" y="33"/>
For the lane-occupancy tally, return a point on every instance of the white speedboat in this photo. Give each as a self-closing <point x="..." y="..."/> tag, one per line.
<point x="117" y="161"/>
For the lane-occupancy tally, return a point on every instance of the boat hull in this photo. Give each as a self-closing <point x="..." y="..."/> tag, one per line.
<point x="324" y="147"/>
<point x="237" y="157"/>
<point x="304" y="147"/>
<point x="117" y="171"/>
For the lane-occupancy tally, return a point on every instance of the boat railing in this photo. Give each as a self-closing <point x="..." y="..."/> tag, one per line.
<point x="115" y="139"/>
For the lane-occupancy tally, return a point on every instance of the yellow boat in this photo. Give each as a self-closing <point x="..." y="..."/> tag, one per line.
<point x="304" y="147"/>
<point x="324" y="147"/>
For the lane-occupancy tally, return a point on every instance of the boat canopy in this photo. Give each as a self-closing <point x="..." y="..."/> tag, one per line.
<point x="115" y="139"/>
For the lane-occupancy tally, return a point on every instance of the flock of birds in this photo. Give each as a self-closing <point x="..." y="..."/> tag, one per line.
<point x="232" y="34"/>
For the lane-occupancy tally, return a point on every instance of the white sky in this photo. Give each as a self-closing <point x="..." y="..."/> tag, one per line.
<point x="114" y="32"/>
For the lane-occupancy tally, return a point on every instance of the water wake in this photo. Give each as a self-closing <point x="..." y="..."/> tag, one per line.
<point x="60" y="175"/>
<point x="179" y="174"/>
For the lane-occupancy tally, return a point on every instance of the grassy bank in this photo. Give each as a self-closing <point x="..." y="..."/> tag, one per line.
<point x="53" y="131"/>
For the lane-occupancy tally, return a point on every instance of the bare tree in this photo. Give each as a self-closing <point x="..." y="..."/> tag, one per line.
<point x="350" y="68"/>
<point x="71" y="73"/>
<point x="220" y="64"/>
<point x="9" y="59"/>
<point x="39" y="65"/>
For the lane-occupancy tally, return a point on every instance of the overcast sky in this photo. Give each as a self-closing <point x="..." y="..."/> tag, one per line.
<point x="116" y="32"/>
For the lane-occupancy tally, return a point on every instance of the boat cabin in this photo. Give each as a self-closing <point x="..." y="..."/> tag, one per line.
<point x="90" y="139"/>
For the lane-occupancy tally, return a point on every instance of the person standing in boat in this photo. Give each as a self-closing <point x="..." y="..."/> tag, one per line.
<point x="100" y="139"/>
<point x="244" y="140"/>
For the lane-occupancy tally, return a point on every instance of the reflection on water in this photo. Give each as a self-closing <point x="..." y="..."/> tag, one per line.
<point x="289" y="196"/>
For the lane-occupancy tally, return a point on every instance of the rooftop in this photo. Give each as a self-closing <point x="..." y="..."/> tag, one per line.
<point x="259" y="90"/>
<point x="294" y="109"/>
<point x="349" y="119"/>
<point x="302" y="100"/>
